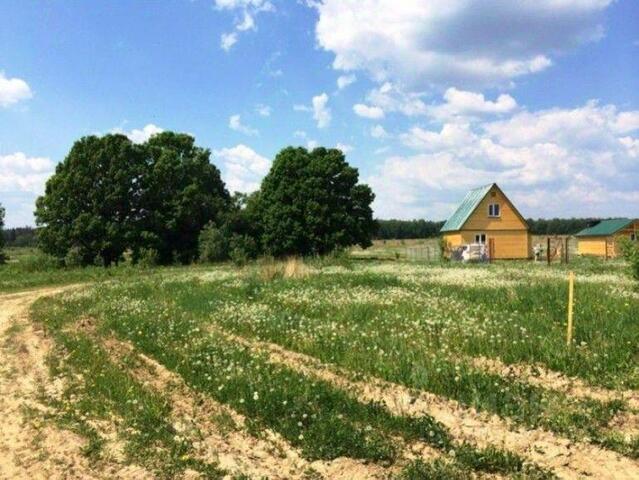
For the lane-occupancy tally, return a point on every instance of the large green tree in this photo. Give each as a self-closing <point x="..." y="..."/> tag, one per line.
<point x="182" y="192"/>
<point x="2" y="254"/>
<point x="312" y="203"/>
<point x="92" y="202"/>
<point x="110" y="195"/>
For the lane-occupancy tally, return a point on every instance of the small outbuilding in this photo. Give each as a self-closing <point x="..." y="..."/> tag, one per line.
<point x="602" y="240"/>
<point x="486" y="216"/>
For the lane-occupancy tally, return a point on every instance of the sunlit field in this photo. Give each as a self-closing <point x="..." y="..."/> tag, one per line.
<point x="400" y="369"/>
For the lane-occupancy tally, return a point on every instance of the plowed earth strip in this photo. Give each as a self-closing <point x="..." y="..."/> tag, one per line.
<point x="543" y="377"/>
<point x="567" y="459"/>
<point x="29" y="447"/>
<point x="236" y="450"/>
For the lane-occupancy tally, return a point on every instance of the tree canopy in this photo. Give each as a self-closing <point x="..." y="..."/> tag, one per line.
<point x="92" y="202"/>
<point x="181" y="192"/>
<point x="160" y="199"/>
<point x="109" y="195"/>
<point x="311" y="203"/>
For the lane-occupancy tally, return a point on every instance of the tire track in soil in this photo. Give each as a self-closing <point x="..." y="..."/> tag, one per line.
<point x="626" y="423"/>
<point x="541" y="376"/>
<point x="236" y="450"/>
<point x="566" y="458"/>
<point x="30" y="447"/>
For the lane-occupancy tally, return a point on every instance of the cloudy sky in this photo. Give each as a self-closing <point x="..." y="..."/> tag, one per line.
<point x="426" y="97"/>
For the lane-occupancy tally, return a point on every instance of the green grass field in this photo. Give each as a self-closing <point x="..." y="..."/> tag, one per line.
<point x="321" y="354"/>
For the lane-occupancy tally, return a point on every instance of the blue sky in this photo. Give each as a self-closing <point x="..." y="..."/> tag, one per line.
<point x="427" y="99"/>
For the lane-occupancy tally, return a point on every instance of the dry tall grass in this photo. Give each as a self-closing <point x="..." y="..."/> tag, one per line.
<point x="292" y="267"/>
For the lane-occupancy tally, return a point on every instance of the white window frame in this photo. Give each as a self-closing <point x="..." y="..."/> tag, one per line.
<point x="480" y="238"/>
<point x="491" y="210"/>
<point x="633" y="237"/>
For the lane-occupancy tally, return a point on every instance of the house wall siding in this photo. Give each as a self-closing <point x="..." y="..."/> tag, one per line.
<point x="508" y="244"/>
<point x="592" y="246"/>
<point x="509" y="220"/>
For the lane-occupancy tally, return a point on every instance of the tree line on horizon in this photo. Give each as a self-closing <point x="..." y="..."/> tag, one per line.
<point x="164" y="202"/>
<point x="385" y="230"/>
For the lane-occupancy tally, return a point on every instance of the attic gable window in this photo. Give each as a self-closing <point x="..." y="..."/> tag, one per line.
<point x="494" y="210"/>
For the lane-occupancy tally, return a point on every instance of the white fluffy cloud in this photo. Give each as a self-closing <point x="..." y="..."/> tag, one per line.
<point x="248" y="9"/>
<point x="263" y="110"/>
<point x="378" y="131"/>
<point x="235" y="123"/>
<point x="391" y="98"/>
<point x="227" y="40"/>
<point x="243" y="168"/>
<point x="321" y="111"/>
<point x="21" y="173"/>
<point x="344" y="81"/>
<point x="582" y="161"/>
<point x="453" y="42"/>
<point x="13" y="90"/>
<point x="374" y="113"/>
<point x="344" y="147"/>
<point x="139" y="135"/>
<point x="462" y="103"/>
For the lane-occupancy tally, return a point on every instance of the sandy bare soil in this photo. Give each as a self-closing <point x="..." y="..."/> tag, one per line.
<point x="269" y="456"/>
<point x="31" y="448"/>
<point x="543" y="377"/>
<point x="567" y="459"/>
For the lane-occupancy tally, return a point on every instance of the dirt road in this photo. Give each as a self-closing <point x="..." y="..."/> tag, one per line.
<point x="30" y="448"/>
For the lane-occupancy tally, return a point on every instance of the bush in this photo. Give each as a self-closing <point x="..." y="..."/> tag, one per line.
<point x="73" y="258"/>
<point x="242" y="248"/>
<point x="38" y="262"/>
<point x="213" y="244"/>
<point x="630" y="252"/>
<point x="149" y="257"/>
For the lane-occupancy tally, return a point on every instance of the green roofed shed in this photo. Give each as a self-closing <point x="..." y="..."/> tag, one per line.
<point x="605" y="228"/>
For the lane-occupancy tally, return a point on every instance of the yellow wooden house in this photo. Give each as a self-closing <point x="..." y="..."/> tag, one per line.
<point x="602" y="240"/>
<point x="487" y="216"/>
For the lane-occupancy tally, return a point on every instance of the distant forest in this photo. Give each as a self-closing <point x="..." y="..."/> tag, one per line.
<point x="388" y="229"/>
<point x="402" y="229"/>
<point x="20" y="237"/>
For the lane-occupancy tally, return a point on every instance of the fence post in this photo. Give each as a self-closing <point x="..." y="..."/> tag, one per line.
<point x="571" y="298"/>
<point x="566" y="248"/>
<point x="548" y="250"/>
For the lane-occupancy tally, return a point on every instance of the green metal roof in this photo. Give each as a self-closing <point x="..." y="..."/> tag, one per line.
<point x="467" y="207"/>
<point x="605" y="228"/>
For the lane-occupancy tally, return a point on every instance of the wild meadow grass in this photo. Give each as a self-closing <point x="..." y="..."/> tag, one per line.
<point x="97" y="389"/>
<point x="420" y="330"/>
<point x="415" y="325"/>
<point x="29" y="268"/>
<point x="321" y="420"/>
